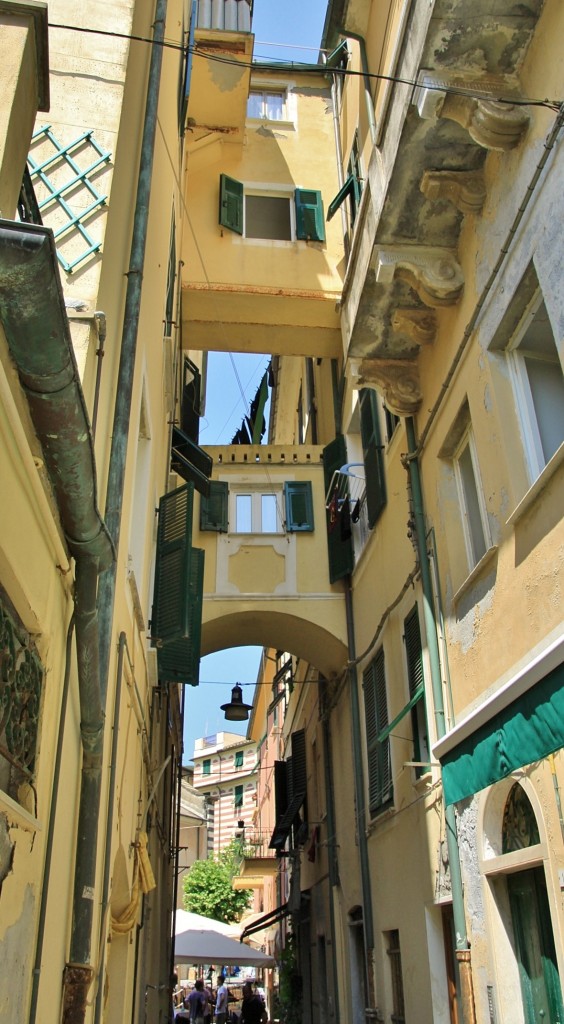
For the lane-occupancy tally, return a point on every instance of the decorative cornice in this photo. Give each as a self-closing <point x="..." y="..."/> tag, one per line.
<point x="465" y="189"/>
<point x="420" y="325"/>
<point x="431" y="271"/>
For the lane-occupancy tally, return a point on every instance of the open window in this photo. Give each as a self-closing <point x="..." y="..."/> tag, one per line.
<point x="279" y="214"/>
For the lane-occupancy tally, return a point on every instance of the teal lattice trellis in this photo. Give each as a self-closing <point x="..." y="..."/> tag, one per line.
<point x="62" y="158"/>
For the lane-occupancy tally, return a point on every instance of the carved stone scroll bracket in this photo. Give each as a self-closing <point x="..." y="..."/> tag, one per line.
<point x="490" y="123"/>
<point x="420" y="325"/>
<point x="465" y="189"/>
<point x="493" y="125"/>
<point x="431" y="271"/>
<point x="396" y="379"/>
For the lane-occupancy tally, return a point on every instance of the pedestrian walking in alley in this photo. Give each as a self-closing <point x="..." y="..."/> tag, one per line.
<point x="221" y="1001"/>
<point x="253" y="1010"/>
<point x="196" y="1003"/>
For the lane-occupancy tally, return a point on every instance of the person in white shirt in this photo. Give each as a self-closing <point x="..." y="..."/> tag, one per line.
<point x="221" y="1001"/>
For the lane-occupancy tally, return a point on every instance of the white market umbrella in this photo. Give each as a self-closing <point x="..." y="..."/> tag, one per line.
<point x="205" y="946"/>
<point x="185" y="919"/>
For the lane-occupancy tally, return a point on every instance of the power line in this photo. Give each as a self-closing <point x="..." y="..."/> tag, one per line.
<point x="306" y="69"/>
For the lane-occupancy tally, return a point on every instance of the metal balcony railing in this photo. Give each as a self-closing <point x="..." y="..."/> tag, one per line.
<point x="225" y="15"/>
<point x="255" y="845"/>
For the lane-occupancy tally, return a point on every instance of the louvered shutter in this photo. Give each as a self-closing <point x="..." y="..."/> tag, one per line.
<point x="376" y="716"/>
<point x="416" y="680"/>
<point x="372" y="455"/>
<point x="170" y="617"/>
<point x="310" y="224"/>
<point x="214" y="508"/>
<point x="413" y="651"/>
<point x="190" y="401"/>
<point x="178" y="591"/>
<point x="340" y="546"/>
<point x="231" y="199"/>
<point x="299" y="505"/>
<point x="384" y="760"/>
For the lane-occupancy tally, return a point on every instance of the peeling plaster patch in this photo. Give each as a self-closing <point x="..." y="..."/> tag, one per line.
<point x="471" y="609"/>
<point x="487" y="399"/>
<point x="16" y="949"/>
<point x="7" y="848"/>
<point x="467" y="821"/>
<point x="504" y="506"/>
<point x="225" y="76"/>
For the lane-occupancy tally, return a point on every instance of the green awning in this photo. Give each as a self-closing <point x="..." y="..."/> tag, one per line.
<point x="529" y="729"/>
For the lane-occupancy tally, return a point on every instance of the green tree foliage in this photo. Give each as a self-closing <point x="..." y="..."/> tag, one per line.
<point x="208" y="889"/>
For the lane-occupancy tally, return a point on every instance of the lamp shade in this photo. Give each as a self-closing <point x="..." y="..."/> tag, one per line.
<point x="236" y="710"/>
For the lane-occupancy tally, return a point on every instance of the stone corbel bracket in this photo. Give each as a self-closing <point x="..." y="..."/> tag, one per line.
<point x="431" y="271"/>
<point x="396" y="379"/>
<point x="465" y="189"/>
<point x="419" y="325"/>
<point x="491" y="123"/>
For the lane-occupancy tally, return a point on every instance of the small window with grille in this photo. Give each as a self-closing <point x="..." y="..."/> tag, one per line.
<point x="394" y="954"/>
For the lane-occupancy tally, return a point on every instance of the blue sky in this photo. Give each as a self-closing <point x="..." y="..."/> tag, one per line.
<point x="298" y="25"/>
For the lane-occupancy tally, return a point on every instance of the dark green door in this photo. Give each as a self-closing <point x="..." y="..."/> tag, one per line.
<point x="540" y="983"/>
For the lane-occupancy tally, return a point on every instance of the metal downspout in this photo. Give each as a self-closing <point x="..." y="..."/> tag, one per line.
<point x="126" y="372"/>
<point x="109" y="828"/>
<point x="51" y="831"/>
<point x="366" y="76"/>
<point x="462" y="944"/>
<point x="177" y="836"/>
<point x="331" y="854"/>
<point x="360" y="802"/>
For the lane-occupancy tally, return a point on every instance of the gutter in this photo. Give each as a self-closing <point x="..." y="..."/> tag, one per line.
<point x="33" y="313"/>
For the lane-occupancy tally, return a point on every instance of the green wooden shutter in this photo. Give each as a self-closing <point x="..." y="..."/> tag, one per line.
<point x="299" y="506"/>
<point x="340" y="548"/>
<point x="178" y="593"/>
<point x="190" y="400"/>
<point x="413" y="651"/>
<point x="231" y="201"/>
<point x="372" y="455"/>
<point x="179" y="660"/>
<point x="376" y="716"/>
<point x="416" y="680"/>
<point x="214" y="509"/>
<point x="170" y="616"/>
<point x="349" y="188"/>
<point x="310" y="222"/>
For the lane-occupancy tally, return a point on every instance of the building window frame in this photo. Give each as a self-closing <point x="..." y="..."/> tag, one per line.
<point x="239" y="760"/>
<point x="238" y="797"/>
<point x="523" y="353"/>
<point x="474" y="518"/>
<point x="264" y="98"/>
<point x="206" y="766"/>
<point x="254" y="510"/>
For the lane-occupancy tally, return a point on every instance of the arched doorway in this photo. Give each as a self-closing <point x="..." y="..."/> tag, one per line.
<point x="523" y="934"/>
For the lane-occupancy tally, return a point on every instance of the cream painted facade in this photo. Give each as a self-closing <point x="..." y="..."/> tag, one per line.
<point x="424" y="886"/>
<point x="400" y="539"/>
<point x="84" y="933"/>
<point x="225" y="774"/>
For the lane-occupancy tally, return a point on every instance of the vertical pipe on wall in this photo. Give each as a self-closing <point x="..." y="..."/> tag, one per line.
<point x="126" y="371"/>
<point x="360" y="801"/>
<point x="462" y="944"/>
<point x="51" y="829"/>
<point x="109" y="826"/>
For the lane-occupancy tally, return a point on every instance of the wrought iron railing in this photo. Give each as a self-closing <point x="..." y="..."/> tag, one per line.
<point x="256" y="845"/>
<point x="21" y="677"/>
